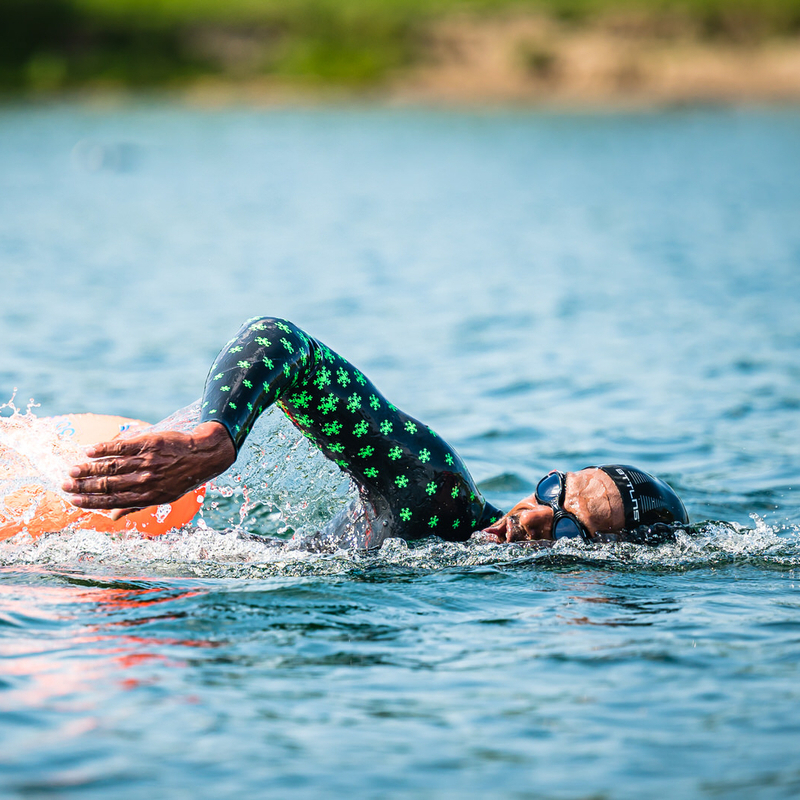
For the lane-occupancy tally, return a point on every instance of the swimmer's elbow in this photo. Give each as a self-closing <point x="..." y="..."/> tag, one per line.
<point x="286" y="325"/>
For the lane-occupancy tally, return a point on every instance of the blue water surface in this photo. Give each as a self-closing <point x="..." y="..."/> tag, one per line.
<point x="545" y="290"/>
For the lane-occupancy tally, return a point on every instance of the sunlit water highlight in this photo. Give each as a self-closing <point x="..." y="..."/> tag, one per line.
<point x="544" y="291"/>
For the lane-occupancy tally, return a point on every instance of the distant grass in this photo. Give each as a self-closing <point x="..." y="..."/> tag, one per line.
<point x="773" y="15"/>
<point x="47" y="45"/>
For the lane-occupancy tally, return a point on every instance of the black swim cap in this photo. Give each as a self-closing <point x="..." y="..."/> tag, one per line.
<point x="647" y="500"/>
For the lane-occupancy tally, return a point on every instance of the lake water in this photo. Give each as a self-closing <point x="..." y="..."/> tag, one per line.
<point x="544" y="290"/>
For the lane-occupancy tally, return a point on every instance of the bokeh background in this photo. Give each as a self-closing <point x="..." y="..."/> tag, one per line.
<point x="561" y="233"/>
<point x="434" y="50"/>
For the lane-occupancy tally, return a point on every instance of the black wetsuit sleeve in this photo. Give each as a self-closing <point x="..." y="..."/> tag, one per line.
<point x="397" y="463"/>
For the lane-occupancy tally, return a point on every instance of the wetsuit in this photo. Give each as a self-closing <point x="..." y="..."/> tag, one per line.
<point x="413" y="483"/>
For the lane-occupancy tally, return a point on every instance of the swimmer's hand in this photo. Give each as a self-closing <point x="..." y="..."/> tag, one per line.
<point x="151" y="469"/>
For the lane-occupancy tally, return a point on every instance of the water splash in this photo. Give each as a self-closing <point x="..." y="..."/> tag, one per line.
<point x="257" y="516"/>
<point x="279" y="485"/>
<point x="236" y="553"/>
<point x="33" y="450"/>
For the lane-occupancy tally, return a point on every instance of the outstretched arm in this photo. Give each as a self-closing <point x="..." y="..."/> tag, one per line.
<point x="395" y="460"/>
<point x="151" y="469"/>
<point x="248" y="375"/>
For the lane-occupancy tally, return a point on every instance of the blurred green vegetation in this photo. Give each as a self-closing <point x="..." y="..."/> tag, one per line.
<point x="47" y="45"/>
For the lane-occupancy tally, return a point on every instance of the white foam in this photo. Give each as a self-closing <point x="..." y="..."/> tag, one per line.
<point x="281" y="485"/>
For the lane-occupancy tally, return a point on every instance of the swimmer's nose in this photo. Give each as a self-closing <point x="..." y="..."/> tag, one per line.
<point x="534" y="523"/>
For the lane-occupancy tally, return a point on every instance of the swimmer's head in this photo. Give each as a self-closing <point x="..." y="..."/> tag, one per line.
<point x="647" y="500"/>
<point x="594" y="503"/>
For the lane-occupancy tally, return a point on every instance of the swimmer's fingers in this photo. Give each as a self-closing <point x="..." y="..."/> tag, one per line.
<point x="154" y="469"/>
<point x="119" y="447"/>
<point x="120" y="503"/>
<point x="108" y="466"/>
<point x="108" y="485"/>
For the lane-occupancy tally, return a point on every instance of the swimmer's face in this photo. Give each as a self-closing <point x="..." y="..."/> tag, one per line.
<point x="590" y="495"/>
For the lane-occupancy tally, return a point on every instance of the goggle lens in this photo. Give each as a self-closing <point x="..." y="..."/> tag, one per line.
<point x="549" y="489"/>
<point x="566" y="528"/>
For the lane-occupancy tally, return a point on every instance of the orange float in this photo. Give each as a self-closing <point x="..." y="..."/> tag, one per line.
<point x="36" y="510"/>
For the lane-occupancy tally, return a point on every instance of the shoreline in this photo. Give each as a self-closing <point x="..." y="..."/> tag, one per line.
<point x="531" y="60"/>
<point x="500" y="61"/>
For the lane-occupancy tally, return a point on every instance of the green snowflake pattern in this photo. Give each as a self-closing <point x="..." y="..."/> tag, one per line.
<point x="342" y="463"/>
<point x="331" y="428"/>
<point x="431" y="488"/>
<point x="374" y="403"/>
<point x="258" y="326"/>
<point x="386" y="427"/>
<point x="342" y="376"/>
<point x="327" y="355"/>
<point x="263" y="341"/>
<point x="360" y="379"/>
<point x="288" y="345"/>
<point x="424" y="455"/>
<point x="301" y="399"/>
<point x="448" y="459"/>
<point x="454" y="493"/>
<point x="410" y="427"/>
<point x="237" y="349"/>
<point x="247" y="384"/>
<point x="305" y="420"/>
<point x="323" y="378"/>
<point x="283" y="326"/>
<point x="224" y="388"/>
<point x="405" y="514"/>
<point x="366" y="452"/>
<point x="218" y="376"/>
<point x="456" y="523"/>
<point x="401" y="481"/>
<point x="336" y="448"/>
<point x="270" y="364"/>
<point x="328" y="404"/>
<point x="354" y="402"/>
<point x="371" y="472"/>
<point x="361" y="429"/>
<point x="395" y="453"/>
<point x="233" y="406"/>
<point x="434" y="521"/>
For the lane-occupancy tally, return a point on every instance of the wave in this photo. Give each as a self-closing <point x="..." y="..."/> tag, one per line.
<point x="201" y="551"/>
<point x="260" y="516"/>
<point x="280" y="482"/>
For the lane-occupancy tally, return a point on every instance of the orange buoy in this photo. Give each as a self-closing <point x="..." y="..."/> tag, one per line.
<point x="36" y="509"/>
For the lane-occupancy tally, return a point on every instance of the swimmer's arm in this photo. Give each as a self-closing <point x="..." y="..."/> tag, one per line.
<point x="150" y="469"/>
<point x="392" y="457"/>
<point x="251" y="372"/>
<point x="258" y="367"/>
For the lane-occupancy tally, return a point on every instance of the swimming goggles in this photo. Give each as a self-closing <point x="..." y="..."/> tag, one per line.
<point x="550" y="492"/>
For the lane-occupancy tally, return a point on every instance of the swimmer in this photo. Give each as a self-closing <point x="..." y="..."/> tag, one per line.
<point x="411" y="483"/>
